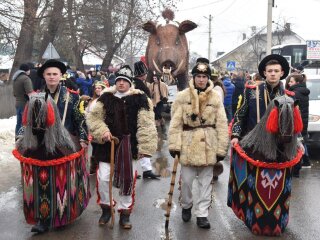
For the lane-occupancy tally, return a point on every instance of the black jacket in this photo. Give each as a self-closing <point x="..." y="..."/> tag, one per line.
<point x="302" y="94"/>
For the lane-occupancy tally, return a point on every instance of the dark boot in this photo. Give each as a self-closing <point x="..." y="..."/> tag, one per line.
<point x="186" y="214"/>
<point x="93" y="165"/>
<point x="124" y="220"/>
<point x="40" y="227"/>
<point x="203" y="222"/>
<point x="106" y="214"/>
<point x="151" y="175"/>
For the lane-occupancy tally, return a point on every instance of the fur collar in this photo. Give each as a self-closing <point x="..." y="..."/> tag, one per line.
<point x="199" y="101"/>
<point x="113" y="90"/>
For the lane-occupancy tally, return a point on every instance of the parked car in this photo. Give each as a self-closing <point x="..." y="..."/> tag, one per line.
<point x="313" y="83"/>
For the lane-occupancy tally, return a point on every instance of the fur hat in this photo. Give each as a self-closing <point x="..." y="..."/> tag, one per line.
<point x="282" y="61"/>
<point x="24" y="67"/>
<point x="52" y="63"/>
<point x="100" y="83"/>
<point x="214" y="73"/>
<point x="140" y="69"/>
<point x="201" y="67"/>
<point x="124" y="73"/>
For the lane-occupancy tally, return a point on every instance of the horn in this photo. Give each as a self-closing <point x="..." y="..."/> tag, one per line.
<point x="177" y="70"/>
<point x="298" y="124"/>
<point x="272" y="122"/>
<point x="50" y="115"/>
<point x="156" y="66"/>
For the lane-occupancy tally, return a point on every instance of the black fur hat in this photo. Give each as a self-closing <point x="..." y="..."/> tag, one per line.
<point x="282" y="61"/>
<point x="52" y="63"/>
<point x="140" y="69"/>
<point x="201" y="67"/>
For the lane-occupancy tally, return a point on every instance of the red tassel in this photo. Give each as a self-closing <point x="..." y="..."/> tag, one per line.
<point x="272" y="122"/>
<point x="50" y="115"/>
<point x="298" y="125"/>
<point x="25" y="115"/>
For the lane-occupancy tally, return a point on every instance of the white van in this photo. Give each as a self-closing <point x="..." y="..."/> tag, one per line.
<point x="313" y="83"/>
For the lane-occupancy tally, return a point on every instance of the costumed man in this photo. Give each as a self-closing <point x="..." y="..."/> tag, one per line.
<point x="73" y="120"/>
<point x="126" y="113"/>
<point x="198" y="134"/>
<point x="62" y="137"/>
<point x="140" y="82"/>
<point x="273" y="68"/>
<point x="159" y="95"/>
<point x="140" y="78"/>
<point x="247" y="179"/>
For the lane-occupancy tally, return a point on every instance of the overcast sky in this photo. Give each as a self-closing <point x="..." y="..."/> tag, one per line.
<point x="231" y="18"/>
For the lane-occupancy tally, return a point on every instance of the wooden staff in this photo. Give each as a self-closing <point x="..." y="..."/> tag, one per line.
<point x="114" y="141"/>
<point x="172" y="183"/>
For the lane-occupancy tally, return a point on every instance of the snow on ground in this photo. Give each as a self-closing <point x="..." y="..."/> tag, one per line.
<point x="7" y="128"/>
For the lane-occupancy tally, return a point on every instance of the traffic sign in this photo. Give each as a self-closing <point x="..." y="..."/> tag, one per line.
<point x="50" y="52"/>
<point x="231" y="65"/>
<point x="313" y="49"/>
<point x="98" y="67"/>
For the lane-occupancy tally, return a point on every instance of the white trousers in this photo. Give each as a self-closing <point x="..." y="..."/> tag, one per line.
<point x="204" y="187"/>
<point x="103" y="188"/>
<point x="145" y="164"/>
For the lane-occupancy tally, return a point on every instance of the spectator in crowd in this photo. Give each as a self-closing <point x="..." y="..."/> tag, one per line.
<point x="230" y="88"/>
<point x="111" y="79"/>
<point x="22" y="88"/>
<point x="217" y="83"/>
<point x="239" y="83"/>
<point x="37" y="82"/>
<point x="85" y="84"/>
<point x="296" y="83"/>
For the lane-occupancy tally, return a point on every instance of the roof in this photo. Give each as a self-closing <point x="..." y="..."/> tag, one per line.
<point x="252" y="37"/>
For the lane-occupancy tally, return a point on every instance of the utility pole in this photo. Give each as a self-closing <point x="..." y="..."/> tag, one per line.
<point x="269" y="26"/>
<point x="210" y="39"/>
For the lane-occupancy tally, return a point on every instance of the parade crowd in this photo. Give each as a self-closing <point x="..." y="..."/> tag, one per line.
<point x="61" y="112"/>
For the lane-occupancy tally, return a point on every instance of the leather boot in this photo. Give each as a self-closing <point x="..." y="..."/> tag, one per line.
<point x="106" y="214"/>
<point x="93" y="165"/>
<point x="40" y="227"/>
<point x="203" y="222"/>
<point x="186" y="214"/>
<point x="124" y="220"/>
<point x="151" y="175"/>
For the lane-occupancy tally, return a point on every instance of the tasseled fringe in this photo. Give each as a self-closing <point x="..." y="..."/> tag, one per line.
<point x="25" y="115"/>
<point x="133" y="195"/>
<point x="272" y="122"/>
<point x="50" y="115"/>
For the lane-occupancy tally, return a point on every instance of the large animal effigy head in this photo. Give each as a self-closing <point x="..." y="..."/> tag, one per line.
<point x="167" y="48"/>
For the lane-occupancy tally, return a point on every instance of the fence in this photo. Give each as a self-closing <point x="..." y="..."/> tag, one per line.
<point x="7" y="102"/>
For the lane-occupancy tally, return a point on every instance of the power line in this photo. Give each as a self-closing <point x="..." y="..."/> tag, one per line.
<point x="200" y="6"/>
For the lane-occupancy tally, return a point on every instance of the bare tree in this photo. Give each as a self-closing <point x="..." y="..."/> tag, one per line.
<point x="55" y="19"/>
<point x="25" y="41"/>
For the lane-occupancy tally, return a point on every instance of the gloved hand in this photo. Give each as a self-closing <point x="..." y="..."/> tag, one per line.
<point x="173" y="153"/>
<point x="220" y="158"/>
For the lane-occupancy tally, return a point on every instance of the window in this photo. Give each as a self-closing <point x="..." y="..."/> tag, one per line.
<point x="314" y="87"/>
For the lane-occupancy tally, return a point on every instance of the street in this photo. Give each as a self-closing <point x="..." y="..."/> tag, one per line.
<point x="148" y="214"/>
